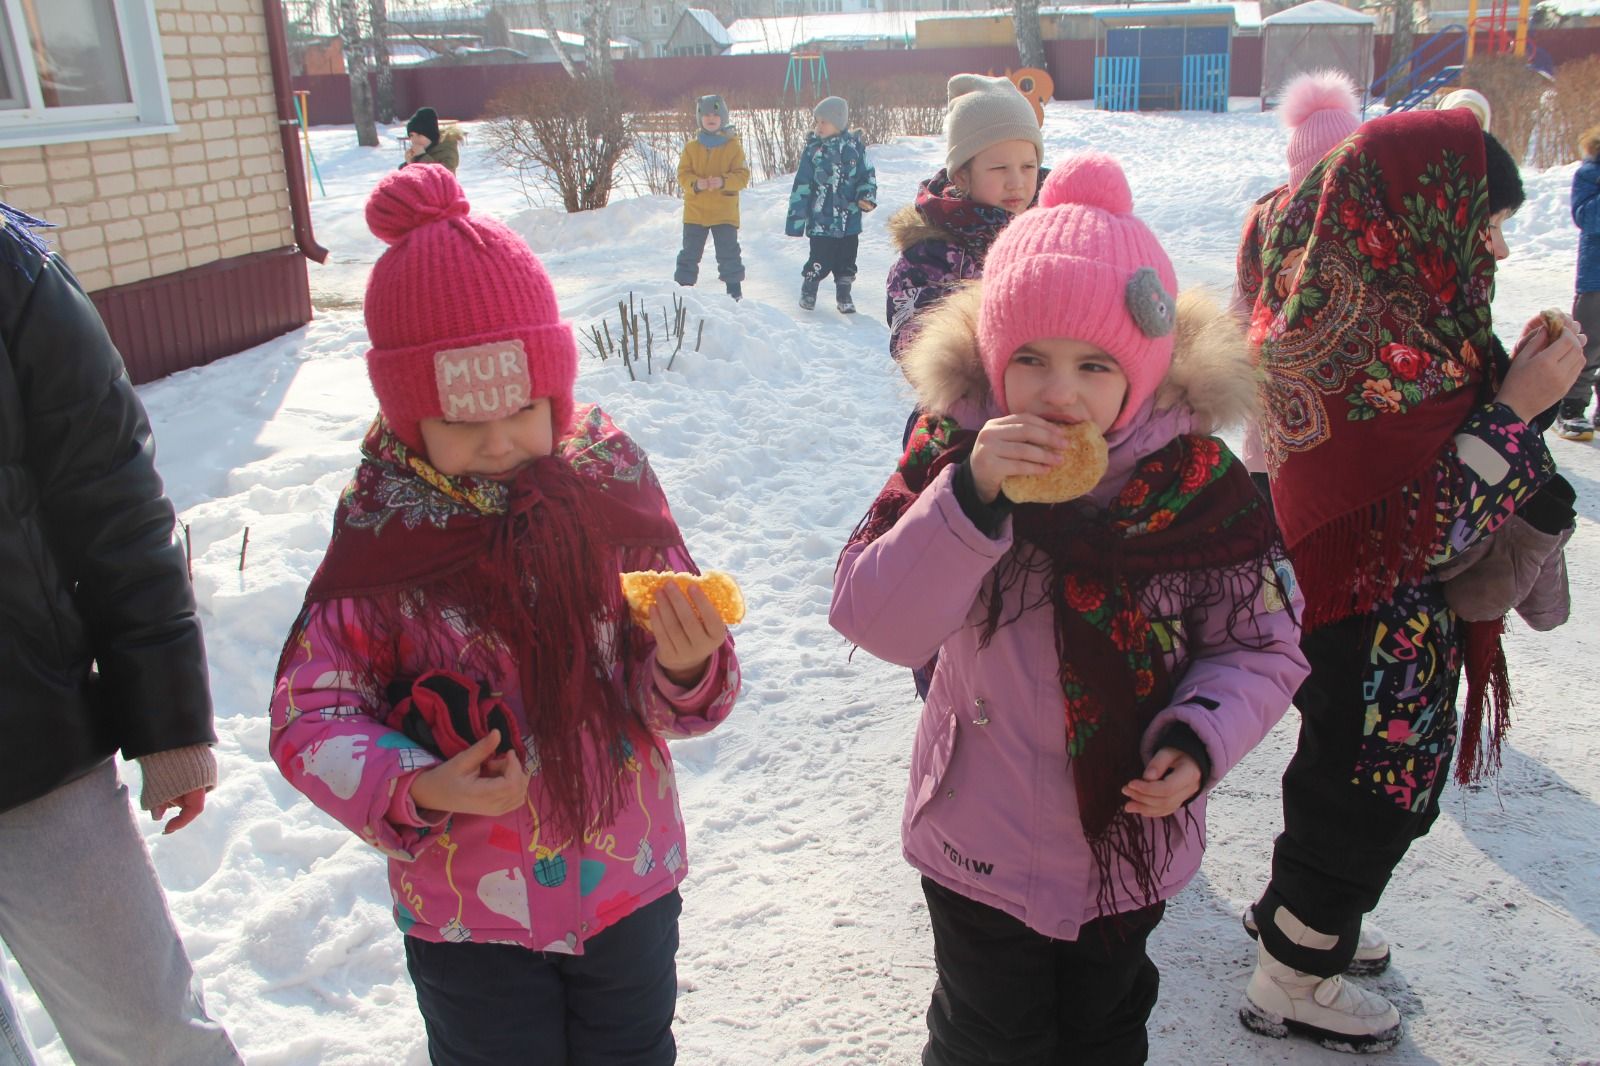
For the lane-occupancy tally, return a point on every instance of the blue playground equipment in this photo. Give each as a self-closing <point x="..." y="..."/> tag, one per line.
<point x="1162" y="57"/>
<point x="806" y="64"/>
<point x="1432" y="65"/>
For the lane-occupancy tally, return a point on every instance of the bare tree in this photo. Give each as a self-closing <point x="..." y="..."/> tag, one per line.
<point x="596" y="16"/>
<point x="1400" y="45"/>
<point x="355" y="64"/>
<point x="380" y="56"/>
<point x="549" y="25"/>
<point x="597" y="40"/>
<point x="1030" y="39"/>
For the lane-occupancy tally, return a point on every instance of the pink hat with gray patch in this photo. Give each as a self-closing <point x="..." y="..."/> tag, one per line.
<point x="462" y="316"/>
<point x="1081" y="266"/>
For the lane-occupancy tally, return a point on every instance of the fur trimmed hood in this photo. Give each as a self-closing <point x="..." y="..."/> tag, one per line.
<point x="907" y="227"/>
<point x="1211" y="374"/>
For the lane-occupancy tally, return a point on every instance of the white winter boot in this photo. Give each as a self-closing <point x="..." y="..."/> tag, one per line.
<point x="1372" y="950"/>
<point x="1336" y="1014"/>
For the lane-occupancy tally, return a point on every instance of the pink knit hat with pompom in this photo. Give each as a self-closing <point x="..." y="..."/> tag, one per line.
<point x="1081" y="266"/>
<point x="1320" y="109"/>
<point x="462" y="317"/>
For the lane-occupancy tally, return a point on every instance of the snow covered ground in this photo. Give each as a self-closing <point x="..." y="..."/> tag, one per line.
<point x="805" y="939"/>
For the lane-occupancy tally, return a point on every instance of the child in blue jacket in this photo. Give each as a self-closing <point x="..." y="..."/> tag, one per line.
<point x="1572" y="421"/>
<point x="833" y="187"/>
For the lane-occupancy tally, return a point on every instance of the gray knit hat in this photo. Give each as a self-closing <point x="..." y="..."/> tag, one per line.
<point x="835" y="110"/>
<point x="712" y="105"/>
<point x="983" y="112"/>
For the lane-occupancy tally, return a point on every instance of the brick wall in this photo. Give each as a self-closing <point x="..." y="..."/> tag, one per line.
<point x="141" y="207"/>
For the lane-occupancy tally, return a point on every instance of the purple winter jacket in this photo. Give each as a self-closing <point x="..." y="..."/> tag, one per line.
<point x="990" y="811"/>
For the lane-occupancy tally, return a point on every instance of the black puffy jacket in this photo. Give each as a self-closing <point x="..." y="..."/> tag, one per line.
<point x="100" y="647"/>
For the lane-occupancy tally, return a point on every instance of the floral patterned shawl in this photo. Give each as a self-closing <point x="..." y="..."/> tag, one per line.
<point x="1374" y="332"/>
<point x="530" y="563"/>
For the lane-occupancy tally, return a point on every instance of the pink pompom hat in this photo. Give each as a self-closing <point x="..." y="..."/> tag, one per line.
<point x="1320" y="109"/>
<point x="462" y="316"/>
<point x="1081" y="266"/>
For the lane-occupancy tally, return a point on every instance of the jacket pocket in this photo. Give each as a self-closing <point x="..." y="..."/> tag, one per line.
<point x="931" y="756"/>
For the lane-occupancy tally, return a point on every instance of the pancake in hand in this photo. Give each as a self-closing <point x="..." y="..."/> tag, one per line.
<point x="1082" y="466"/>
<point x="641" y="587"/>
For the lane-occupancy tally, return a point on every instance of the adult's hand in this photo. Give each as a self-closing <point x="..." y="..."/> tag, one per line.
<point x="189" y="806"/>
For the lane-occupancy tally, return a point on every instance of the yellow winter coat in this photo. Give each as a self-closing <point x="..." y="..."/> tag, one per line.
<point x="712" y="207"/>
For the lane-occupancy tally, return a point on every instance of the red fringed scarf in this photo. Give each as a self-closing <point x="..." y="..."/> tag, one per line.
<point x="1188" y="523"/>
<point x="1376" y="346"/>
<point x="532" y="562"/>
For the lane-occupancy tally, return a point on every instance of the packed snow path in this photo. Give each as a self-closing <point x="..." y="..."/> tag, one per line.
<point x="805" y="939"/>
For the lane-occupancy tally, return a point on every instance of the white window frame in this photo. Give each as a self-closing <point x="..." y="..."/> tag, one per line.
<point x="625" y="17"/>
<point x="149" y="113"/>
<point x="658" y="15"/>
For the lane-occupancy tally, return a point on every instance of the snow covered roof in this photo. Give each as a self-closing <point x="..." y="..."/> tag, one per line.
<point x="708" y="22"/>
<point x="1571" y="8"/>
<point x="1246" y="13"/>
<point x="568" y="38"/>
<point x="1326" y="13"/>
<point x="1159" y="10"/>
<point x="761" y="36"/>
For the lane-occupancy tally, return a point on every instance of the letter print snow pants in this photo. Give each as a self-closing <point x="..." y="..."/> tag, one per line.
<point x="1341" y="841"/>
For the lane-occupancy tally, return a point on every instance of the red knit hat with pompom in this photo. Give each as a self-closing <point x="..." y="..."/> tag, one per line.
<point x="462" y="316"/>
<point x="1081" y="266"/>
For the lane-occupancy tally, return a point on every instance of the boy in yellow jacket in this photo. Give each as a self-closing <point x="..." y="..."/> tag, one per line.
<point x="711" y="173"/>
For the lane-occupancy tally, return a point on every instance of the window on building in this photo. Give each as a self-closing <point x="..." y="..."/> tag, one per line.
<point x="625" y="16"/>
<point x="80" y="69"/>
<point x="658" y="15"/>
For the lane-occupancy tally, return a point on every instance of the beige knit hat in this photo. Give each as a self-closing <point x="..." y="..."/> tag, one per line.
<point x="983" y="112"/>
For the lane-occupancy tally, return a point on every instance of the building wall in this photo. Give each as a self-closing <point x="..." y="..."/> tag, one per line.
<point x="135" y="208"/>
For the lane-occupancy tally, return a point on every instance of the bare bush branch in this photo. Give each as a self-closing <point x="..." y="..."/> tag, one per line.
<point x="1570" y="107"/>
<point x="567" y="136"/>
<point x="1514" y="92"/>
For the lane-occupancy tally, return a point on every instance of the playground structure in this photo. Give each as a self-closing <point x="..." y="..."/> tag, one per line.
<point x="1037" y="86"/>
<point x="302" y="108"/>
<point x="1158" y="57"/>
<point x="1438" y="61"/>
<point x="804" y="64"/>
<point x="1502" y="40"/>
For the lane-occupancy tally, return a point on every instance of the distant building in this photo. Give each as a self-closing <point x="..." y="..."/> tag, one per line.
<point x="835" y="33"/>
<point x="698" y="33"/>
<point x="535" y="45"/>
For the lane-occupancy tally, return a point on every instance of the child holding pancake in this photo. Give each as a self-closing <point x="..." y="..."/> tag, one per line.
<point x="465" y="687"/>
<point x="1105" y="655"/>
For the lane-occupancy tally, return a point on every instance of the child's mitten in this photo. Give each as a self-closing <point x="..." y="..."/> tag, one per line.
<point x="447" y="713"/>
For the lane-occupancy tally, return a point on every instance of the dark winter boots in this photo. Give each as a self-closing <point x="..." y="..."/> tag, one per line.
<point x="1571" y="421"/>
<point x="808" y="293"/>
<point x="847" y="306"/>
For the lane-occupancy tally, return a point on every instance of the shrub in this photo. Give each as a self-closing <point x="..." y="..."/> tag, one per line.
<point x="1514" y="91"/>
<point x="1570" y="108"/>
<point x="567" y="135"/>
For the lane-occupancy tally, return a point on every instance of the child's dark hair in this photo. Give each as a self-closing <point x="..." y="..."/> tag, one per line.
<point x="1505" y="181"/>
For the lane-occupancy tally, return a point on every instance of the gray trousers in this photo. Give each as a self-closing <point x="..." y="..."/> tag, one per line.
<point x="730" y="268"/>
<point x="1586" y="309"/>
<point x="84" y="916"/>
